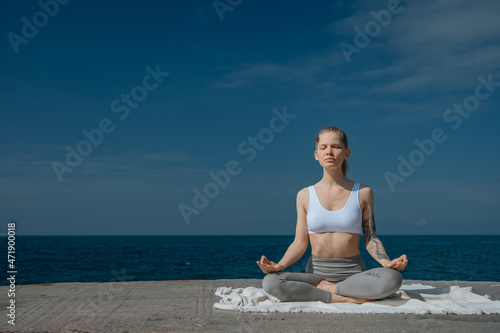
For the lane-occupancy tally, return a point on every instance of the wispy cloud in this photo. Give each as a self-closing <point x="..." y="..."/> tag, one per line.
<point x="456" y="42"/>
<point x="33" y="162"/>
<point x="169" y="157"/>
<point x="472" y="191"/>
<point x="248" y="73"/>
<point x="432" y="54"/>
<point x="422" y="222"/>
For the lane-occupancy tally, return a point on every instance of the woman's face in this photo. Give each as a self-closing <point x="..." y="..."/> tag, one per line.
<point x="331" y="151"/>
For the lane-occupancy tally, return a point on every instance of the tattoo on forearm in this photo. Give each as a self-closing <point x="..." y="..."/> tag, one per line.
<point x="369" y="229"/>
<point x="378" y="249"/>
<point x="372" y="243"/>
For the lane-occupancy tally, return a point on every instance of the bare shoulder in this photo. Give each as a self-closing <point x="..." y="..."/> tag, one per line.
<point x="303" y="198"/>
<point x="303" y="195"/>
<point x="365" y="195"/>
<point x="365" y="189"/>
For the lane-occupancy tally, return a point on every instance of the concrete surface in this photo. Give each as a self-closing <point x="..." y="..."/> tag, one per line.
<point x="187" y="306"/>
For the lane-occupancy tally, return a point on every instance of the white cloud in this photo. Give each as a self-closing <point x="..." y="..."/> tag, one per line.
<point x="439" y="45"/>
<point x="248" y="73"/>
<point x="36" y="161"/>
<point x="465" y="190"/>
<point x="170" y="157"/>
<point x="422" y="222"/>
<point x="427" y="58"/>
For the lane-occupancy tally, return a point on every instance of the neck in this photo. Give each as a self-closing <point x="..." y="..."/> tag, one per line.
<point x="333" y="177"/>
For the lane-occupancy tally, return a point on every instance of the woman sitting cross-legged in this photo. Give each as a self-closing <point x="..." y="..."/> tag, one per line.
<point x="331" y="214"/>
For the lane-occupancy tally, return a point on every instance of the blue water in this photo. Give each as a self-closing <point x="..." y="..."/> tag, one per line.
<point x="51" y="259"/>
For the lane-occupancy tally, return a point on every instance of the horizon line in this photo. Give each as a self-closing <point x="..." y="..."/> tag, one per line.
<point x="218" y="235"/>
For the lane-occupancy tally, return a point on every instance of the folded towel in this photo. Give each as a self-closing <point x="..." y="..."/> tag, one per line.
<point x="414" y="298"/>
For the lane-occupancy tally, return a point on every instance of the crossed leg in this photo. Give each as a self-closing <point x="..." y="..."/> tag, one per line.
<point x="329" y="286"/>
<point x="366" y="286"/>
<point x="304" y="287"/>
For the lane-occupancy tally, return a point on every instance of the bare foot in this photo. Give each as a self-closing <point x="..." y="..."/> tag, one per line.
<point x="345" y="299"/>
<point x="328" y="286"/>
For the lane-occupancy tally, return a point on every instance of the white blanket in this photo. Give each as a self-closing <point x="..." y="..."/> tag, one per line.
<point x="415" y="298"/>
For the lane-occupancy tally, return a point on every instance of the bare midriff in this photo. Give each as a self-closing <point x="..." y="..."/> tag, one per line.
<point x="334" y="244"/>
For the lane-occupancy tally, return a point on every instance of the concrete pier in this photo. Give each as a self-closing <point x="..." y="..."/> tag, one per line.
<point x="187" y="306"/>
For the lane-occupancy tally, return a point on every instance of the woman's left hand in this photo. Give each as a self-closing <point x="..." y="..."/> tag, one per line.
<point x="268" y="266"/>
<point x="398" y="264"/>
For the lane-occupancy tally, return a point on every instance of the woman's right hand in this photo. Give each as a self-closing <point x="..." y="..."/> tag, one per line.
<point x="398" y="264"/>
<point x="269" y="266"/>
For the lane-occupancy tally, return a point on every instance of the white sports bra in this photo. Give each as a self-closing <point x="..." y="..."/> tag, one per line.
<point x="348" y="219"/>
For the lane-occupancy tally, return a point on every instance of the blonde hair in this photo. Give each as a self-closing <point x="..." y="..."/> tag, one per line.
<point x="343" y="138"/>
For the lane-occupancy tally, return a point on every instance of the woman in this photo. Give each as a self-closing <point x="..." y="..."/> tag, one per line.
<point x="331" y="214"/>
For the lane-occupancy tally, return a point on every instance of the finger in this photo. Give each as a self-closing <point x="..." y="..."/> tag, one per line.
<point x="402" y="264"/>
<point x="391" y="264"/>
<point x="397" y="262"/>
<point x="262" y="268"/>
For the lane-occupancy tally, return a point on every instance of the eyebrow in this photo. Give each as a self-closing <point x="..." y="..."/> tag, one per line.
<point x="326" y="144"/>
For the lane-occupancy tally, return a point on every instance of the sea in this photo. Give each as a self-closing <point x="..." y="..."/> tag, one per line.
<point x="57" y="259"/>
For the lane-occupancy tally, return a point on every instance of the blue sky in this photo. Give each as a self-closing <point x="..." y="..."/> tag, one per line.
<point x="270" y="71"/>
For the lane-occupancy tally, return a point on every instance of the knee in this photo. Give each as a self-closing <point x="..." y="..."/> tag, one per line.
<point x="273" y="284"/>
<point x="392" y="281"/>
<point x="270" y="282"/>
<point x="395" y="278"/>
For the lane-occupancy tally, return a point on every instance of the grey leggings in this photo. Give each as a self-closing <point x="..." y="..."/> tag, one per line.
<point x="348" y="273"/>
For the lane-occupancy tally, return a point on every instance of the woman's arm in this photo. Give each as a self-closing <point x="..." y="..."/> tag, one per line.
<point x="299" y="246"/>
<point x="373" y="244"/>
